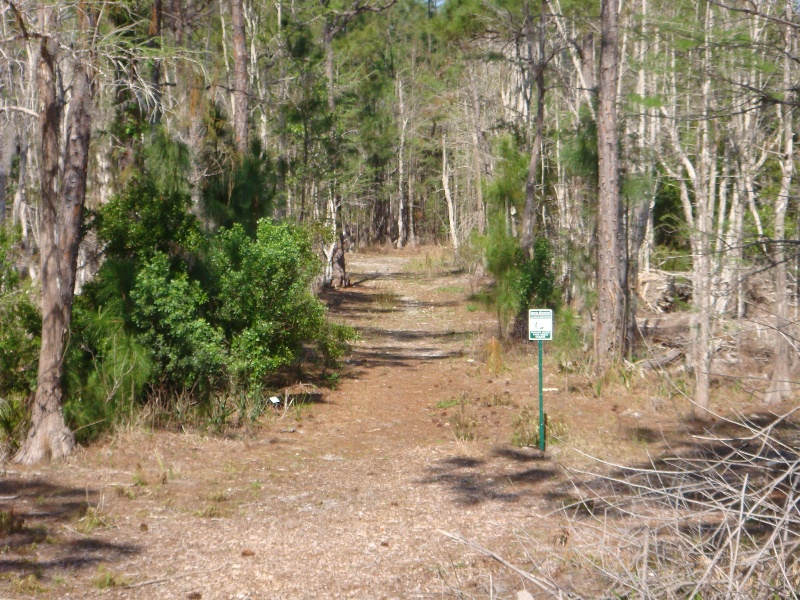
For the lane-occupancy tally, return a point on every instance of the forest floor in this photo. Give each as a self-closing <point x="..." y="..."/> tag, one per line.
<point x="345" y="496"/>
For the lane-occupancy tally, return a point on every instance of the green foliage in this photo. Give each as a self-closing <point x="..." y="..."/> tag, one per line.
<point x="579" y="151"/>
<point x="519" y="281"/>
<point x="243" y="195"/>
<point x="167" y="162"/>
<point x="264" y="303"/>
<point x="144" y="220"/>
<point x="104" y="382"/>
<point x="20" y="326"/>
<point x="507" y="188"/>
<point x="538" y="279"/>
<point x="166" y="313"/>
<point x="503" y="256"/>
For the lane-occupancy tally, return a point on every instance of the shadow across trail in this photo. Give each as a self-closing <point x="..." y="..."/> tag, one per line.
<point x="472" y="481"/>
<point x="40" y="527"/>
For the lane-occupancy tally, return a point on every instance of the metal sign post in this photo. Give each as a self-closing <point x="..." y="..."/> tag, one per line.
<point x="540" y="328"/>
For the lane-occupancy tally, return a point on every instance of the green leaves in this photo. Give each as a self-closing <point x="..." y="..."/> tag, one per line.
<point x="20" y="325"/>
<point x="264" y="300"/>
<point x="166" y="311"/>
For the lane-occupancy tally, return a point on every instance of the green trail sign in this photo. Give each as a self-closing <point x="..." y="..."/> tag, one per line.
<point x="540" y="328"/>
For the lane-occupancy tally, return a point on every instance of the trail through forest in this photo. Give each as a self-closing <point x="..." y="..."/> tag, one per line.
<point x="341" y="497"/>
<point x="344" y="495"/>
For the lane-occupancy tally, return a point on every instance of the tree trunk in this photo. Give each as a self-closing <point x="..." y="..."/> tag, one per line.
<point x="48" y="436"/>
<point x="154" y="32"/>
<point x="780" y="387"/>
<point x="536" y="146"/>
<point x="451" y="208"/>
<point x="609" y="332"/>
<point x="18" y="206"/>
<point x="239" y="75"/>
<point x="5" y="162"/>
<point x="400" y="166"/>
<point x="477" y="151"/>
<point x="328" y="34"/>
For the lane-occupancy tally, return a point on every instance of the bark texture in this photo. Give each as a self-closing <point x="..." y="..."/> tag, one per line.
<point x="528" y="214"/>
<point x="609" y="330"/>
<point x="240" y="82"/>
<point x="780" y="387"/>
<point x="48" y="436"/>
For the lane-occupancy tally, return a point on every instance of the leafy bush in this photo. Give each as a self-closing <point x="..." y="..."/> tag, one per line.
<point x="263" y="300"/>
<point x="145" y="220"/>
<point x="186" y="348"/>
<point x="187" y="313"/>
<point x="20" y="327"/>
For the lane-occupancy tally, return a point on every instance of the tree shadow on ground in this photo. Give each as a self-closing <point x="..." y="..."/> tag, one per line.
<point x="39" y="525"/>
<point x="473" y="481"/>
<point x="360" y="304"/>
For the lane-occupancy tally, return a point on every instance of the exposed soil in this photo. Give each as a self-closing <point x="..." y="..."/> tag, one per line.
<point x="342" y="497"/>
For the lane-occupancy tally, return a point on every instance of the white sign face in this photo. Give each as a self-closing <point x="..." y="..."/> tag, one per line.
<point x="540" y="324"/>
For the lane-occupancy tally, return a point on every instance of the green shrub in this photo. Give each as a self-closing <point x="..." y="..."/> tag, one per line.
<point x="20" y="329"/>
<point x="264" y="304"/>
<point x="166" y="313"/>
<point x="107" y="369"/>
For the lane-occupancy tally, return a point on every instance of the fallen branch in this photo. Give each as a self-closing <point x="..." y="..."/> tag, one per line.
<point x="182" y="576"/>
<point x="542" y="584"/>
<point x="660" y="361"/>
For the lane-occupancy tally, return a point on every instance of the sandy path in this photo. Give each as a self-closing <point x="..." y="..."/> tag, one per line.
<point x="341" y="499"/>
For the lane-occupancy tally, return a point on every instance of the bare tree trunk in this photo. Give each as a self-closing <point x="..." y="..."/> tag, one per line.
<point x="328" y="34"/>
<point x="609" y="331"/>
<point x="48" y="436"/>
<point x="5" y="163"/>
<point x="18" y="206"/>
<point x="154" y="32"/>
<point x="477" y="160"/>
<point x="780" y="387"/>
<point x="451" y="209"/>
<point x="412" y="235"/>
<point x="536" y="146"/>
<point x="239" y="75"/>
<point x="703" y="183"/>
<point x="400" y="166"/>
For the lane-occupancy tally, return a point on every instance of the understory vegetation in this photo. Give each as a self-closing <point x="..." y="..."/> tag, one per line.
<point x="179" y="310"/>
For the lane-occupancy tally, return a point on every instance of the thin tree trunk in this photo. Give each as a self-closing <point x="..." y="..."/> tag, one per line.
<point x="609" y="331"/>
<point x="155" y="75"/>
<point x="780" y="387"/>
<point x="5" y="163"/>
<point x="451" y="209"/>
<point x="477" y="160"/>
<point x="239" y="75"/>
<point x="400" y="166"/>
<point x="18" y="206"/>
<point x="536" y="147"/>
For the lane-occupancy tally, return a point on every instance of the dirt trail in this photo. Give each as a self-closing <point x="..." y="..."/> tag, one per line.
<point x="339" y="499"/>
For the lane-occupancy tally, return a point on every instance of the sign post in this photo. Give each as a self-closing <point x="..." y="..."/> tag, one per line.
<point x="540" y="328"/>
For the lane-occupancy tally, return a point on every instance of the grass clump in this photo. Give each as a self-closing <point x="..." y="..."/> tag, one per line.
<point x="91" y="519"/>
<point x="465" y="424"/>
<point x="210" y="511"/>
<point x="218" y="496"/>
<point x="525" y="431"/>
<point x="28" y="585"/>
<point x="10" y="523"/>
<point x="107" y="579"/>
